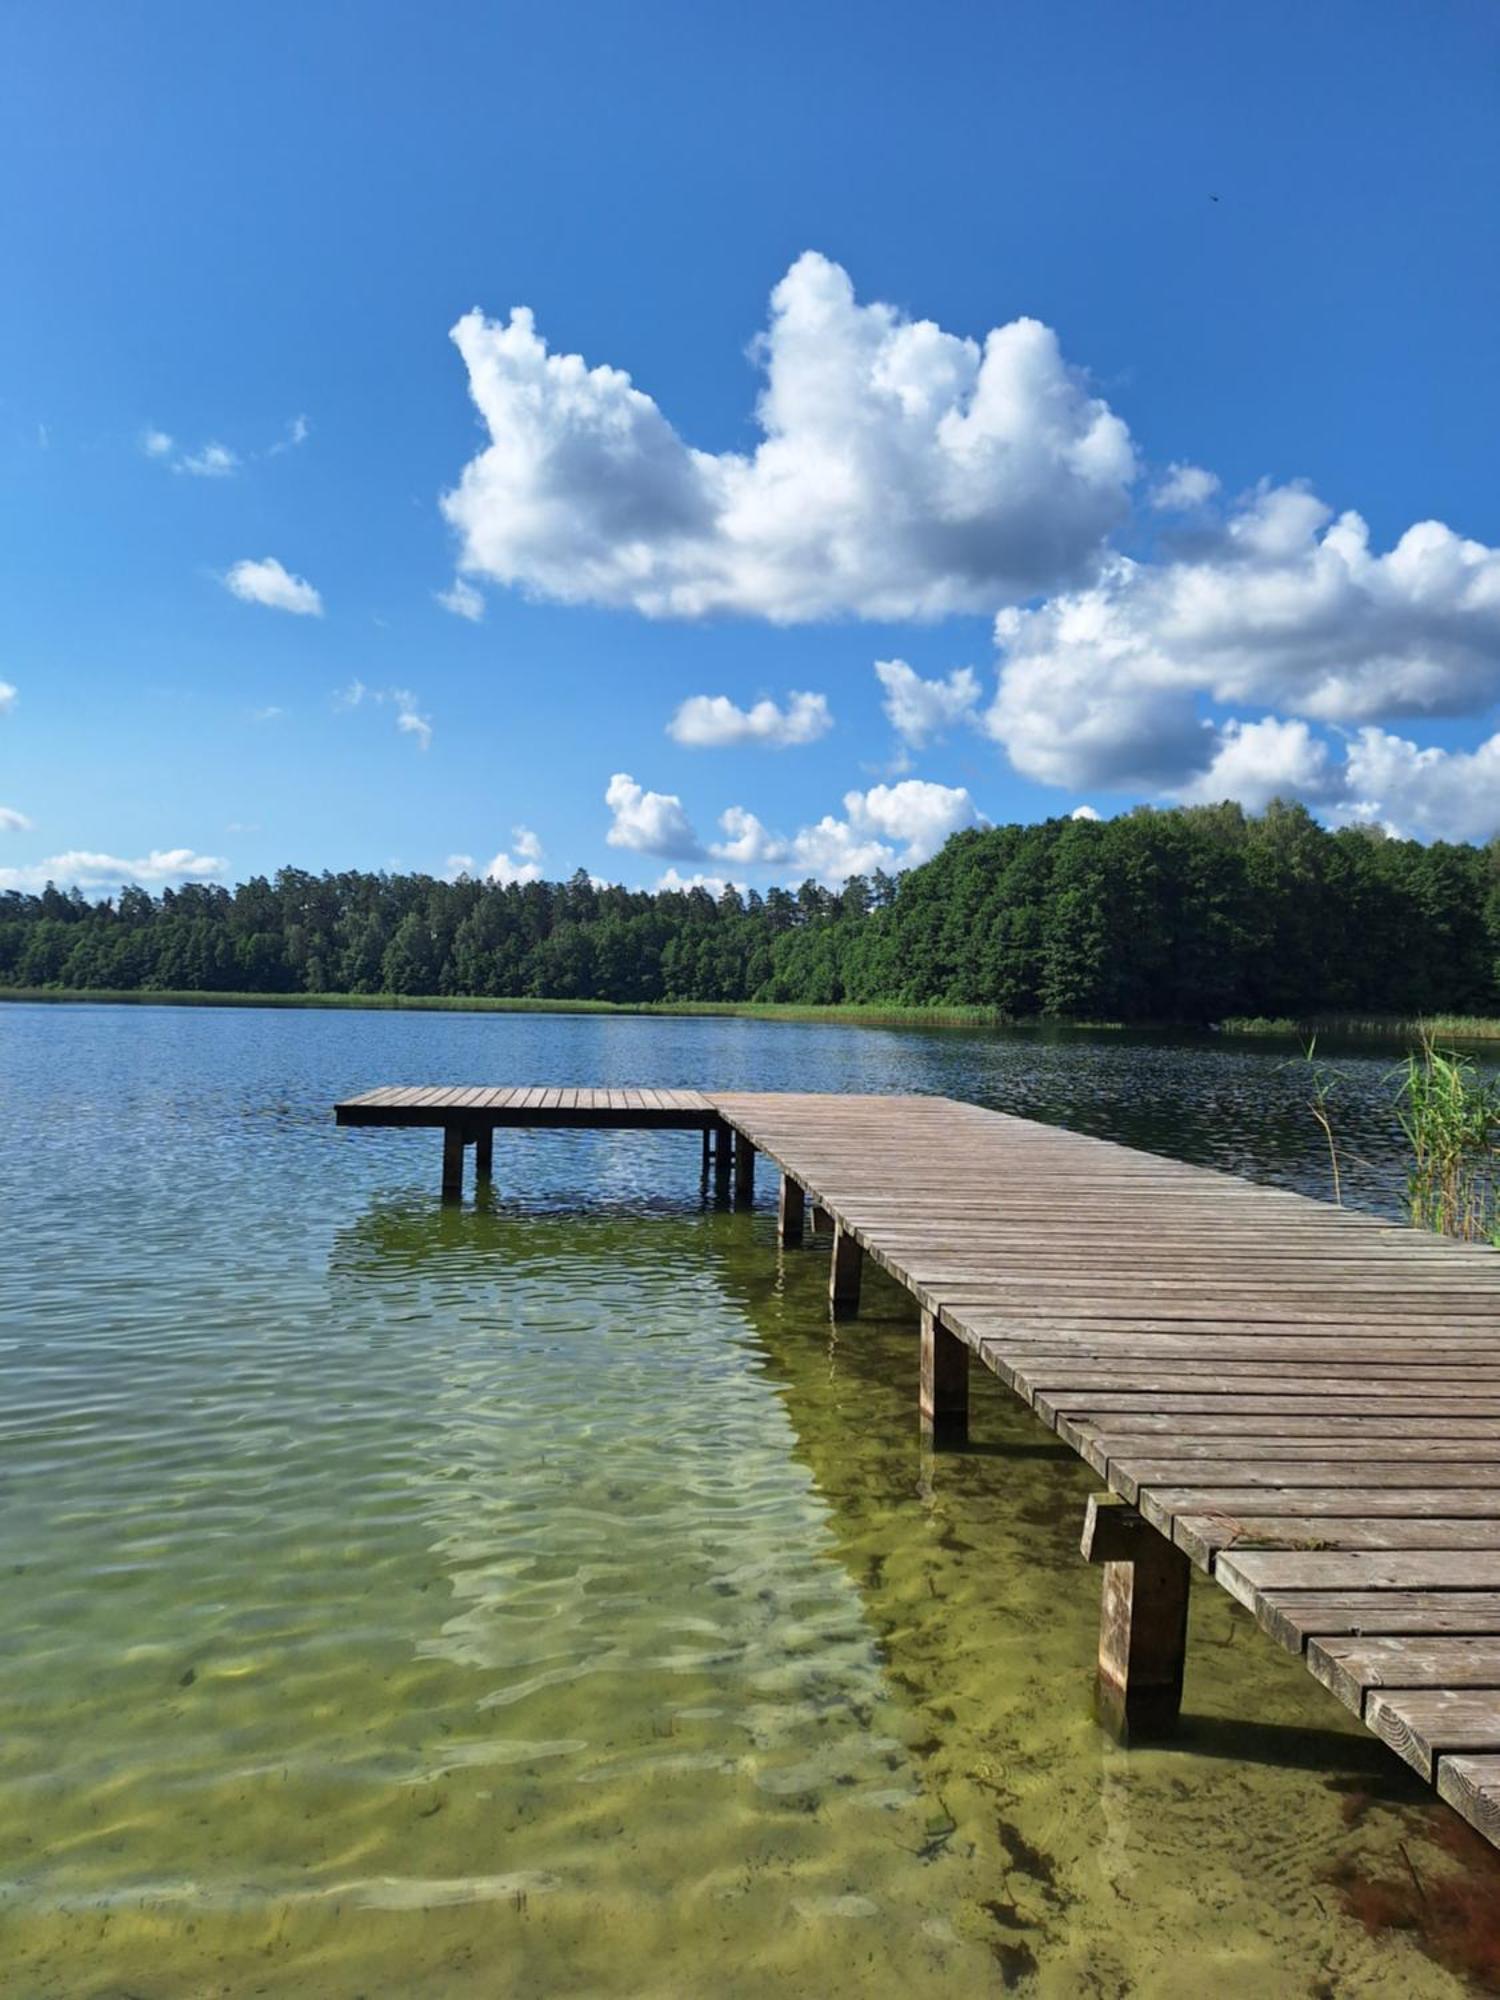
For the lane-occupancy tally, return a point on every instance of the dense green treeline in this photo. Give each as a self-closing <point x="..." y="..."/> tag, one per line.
<point x="1186" y="915"/>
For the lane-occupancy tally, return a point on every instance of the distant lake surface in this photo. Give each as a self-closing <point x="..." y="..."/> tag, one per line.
<point x="538" y="1598"/>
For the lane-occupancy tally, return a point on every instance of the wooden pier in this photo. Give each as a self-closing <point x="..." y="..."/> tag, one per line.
<point x="1302" y="1401"/>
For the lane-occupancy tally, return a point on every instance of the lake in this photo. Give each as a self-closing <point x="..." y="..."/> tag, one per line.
<point x="539" y="1598"/>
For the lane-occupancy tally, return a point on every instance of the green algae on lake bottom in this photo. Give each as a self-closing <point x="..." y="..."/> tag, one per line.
<point x="541" y="1598"/>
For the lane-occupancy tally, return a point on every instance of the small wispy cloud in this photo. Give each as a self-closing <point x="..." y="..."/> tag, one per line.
<point x="268" y="582"/>
<point x="9" y="696"/>
<point x="463" y="600"/>
<point x="411" y="723"/>
<point x="409" y="717"/>
<point x="12" y="821"/>
<point x="271" y="713"/>
<point x="297" y="432"/>
<point x="212" y="461"/>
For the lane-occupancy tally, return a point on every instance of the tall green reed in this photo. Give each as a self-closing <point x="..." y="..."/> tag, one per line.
<point x="1324" y="1083"/>
<point x="1451" y="1118"/>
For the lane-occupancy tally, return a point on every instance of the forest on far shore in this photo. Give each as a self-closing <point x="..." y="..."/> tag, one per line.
<point x="1186" y="915"/>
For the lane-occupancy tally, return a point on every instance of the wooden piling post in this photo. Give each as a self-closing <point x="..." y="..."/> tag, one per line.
<point x="822" y="1221"/>
<point x="722" y="1164"/>
<point x="844" y="1272"/>
<point x="944" y="1384"/>
<point x="453" y="1163"/>
<point x="744" y="1171"/>
<point x="484" y="1154"/>
<point x="708" y="1150"/>
<point x="791" y="1212"/>
<point x="1142" y="1621"/>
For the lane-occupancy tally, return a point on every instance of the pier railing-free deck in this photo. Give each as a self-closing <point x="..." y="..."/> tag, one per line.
<point x="1301" y="1400"/>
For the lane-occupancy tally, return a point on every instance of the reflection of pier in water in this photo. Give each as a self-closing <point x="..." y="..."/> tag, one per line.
<point x="1303" y="1402"/>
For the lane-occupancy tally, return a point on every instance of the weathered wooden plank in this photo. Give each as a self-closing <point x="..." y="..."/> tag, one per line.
<point x="1471" y="1785"/>
<point x="1426" y="1463"/>
<point x="1422" y="1723"/>
<point x="1334" y="1508"/>
<point x="1349" y="1667"/>
<point x="1296" y="1617"/>
<point x="1203" y="1536"/>
<point x="1243" y="1572"/>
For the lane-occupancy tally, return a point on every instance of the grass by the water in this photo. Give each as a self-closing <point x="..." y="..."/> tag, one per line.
<point x="1411" y="1028"/>
<point x="759" y="1010"/>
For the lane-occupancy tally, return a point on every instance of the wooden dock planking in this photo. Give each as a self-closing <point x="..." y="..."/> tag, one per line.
<point x="1304" y="1401"/>
<point x="1245" y="1365"/>
<point x="565" y="1107"/>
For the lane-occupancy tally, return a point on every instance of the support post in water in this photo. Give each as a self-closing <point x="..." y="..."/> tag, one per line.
<point x="744" y="1171"/>
<point x="791" y="1212"/>
<point x="722" y="1163"/>
<point x="1142" y="1621"/>
<point x="844" y="1274"/>
<point x="453" y="1163"/>
<point x="822" y="1221"/>
<point x="708" y="1150"/>
<point x="945" y="1384"/>
<point x="484" y="1154"/>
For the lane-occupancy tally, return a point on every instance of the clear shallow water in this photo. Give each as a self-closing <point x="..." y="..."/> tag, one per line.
<point x="539" y="1599"/>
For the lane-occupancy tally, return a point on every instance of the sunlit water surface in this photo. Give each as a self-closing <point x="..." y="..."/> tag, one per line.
<point x="538" y="1599"/>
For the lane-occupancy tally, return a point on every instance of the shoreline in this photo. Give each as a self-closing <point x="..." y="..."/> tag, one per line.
<point x="873" y="1015"/>
<point x="1350" y="1027"/>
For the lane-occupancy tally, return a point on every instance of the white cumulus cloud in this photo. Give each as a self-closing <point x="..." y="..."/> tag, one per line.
<point x="902" y="471"/>
<point x="9" y="695"/>
<point x="85" y="869"/>
<point x="649" y="822"/>
<point x="1429" y="794"/>
<point x="889" y="826"/>
<point x="1285" y="607"/>
<point x="1183" y="487"/>
<point x="919" y="709"/>
<point x="713" y="885"/>
<point x="12" y="821"/>
<point x="711" y="721"/>
<point x="522" y="866"/>
<point x="1255" y="762"/>
<point x="267" y="582"/>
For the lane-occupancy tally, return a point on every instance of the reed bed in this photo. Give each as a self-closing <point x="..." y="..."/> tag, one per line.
<point x="875" y="1015"/>
<point x="1413" y="1029"/>
<point x="1451" y="1118"/>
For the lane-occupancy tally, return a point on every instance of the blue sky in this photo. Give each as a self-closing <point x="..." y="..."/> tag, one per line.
<point x="1127" y="515"/>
